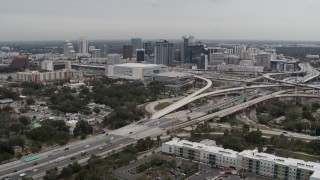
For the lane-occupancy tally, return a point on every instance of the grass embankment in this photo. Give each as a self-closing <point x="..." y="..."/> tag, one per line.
<point x="162" y="105"/>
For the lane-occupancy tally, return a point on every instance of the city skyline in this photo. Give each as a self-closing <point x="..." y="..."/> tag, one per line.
<point x="153" y="19"/>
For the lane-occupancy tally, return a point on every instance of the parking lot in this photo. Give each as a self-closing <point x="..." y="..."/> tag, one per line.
<point x="208" y="173"/>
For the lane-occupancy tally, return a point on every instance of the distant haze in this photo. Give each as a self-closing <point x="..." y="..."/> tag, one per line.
<point x="153" y="19"/>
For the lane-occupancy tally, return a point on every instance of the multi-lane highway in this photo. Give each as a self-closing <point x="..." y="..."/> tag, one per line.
<point x="144" y="128"/>
<point x="67" y="154"/>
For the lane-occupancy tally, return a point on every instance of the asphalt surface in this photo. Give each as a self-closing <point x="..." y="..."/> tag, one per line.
<point x="48" y="162"/>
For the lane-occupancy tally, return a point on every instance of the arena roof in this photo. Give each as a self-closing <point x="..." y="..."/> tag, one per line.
<point x="137" y="65"/>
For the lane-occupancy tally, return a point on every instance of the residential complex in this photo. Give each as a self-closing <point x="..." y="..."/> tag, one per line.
<point x="36" y="76"/>
<point x="251" y="161"/>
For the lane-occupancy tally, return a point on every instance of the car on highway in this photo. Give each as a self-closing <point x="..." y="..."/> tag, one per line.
<point x="101" y="148"/>
<point x="15" y="170"/>
<point x="130" y="132"/>
<point x="6" y="178"/>
<point x="35" y="170"/>
<point x="83" y="153"/>
<point x="35" y="163"/>
<point x="87" y="146"/>
<point x="66" y="149"/>
<point x="111" y="138"/>
<point x="22" y="174"/>
<point x="72" y="158"/>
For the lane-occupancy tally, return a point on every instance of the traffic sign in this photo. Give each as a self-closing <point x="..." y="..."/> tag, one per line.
<point x="31" y="158"/>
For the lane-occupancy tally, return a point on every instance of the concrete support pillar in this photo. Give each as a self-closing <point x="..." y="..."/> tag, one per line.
<point x="226" y="95"/>
<point x="295" y="90"/>
<point x="313" y="91"/>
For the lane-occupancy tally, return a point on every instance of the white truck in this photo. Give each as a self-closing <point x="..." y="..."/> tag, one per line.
<point x="59" y="159"/>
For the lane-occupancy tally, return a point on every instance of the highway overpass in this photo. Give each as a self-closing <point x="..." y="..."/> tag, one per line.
<point x="186" y="101"/>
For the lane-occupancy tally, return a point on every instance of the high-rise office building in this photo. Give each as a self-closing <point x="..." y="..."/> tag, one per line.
<point x="20" y="62"/>
<point x="217" y="58"/>
<point x="230" y="51"/>
<point x="127" y="51"/>
<point x="243" y="48"/>
<point x="177" y="55"/>
<point x="104" y="50"/>
<point x="236" y="50"/>
<point x="148" y="47"/>
<point x="264" y="59"/>
<point x="185" y="51"/>
<point x="66" y="45"/>
<point x="68" y="50"/>
<point x="232" y="59"/>
<point x="195" y="52"/>
<point x="252" y="52"/>
<point x="91" y="48"/>
<point x="96" y="53"/>
<point x="140" y="55"/>
<point x="163" y="53"/>
<point x="136" y="44"/>
<point x="113" y="59"/>
<point x="83" y="45"/>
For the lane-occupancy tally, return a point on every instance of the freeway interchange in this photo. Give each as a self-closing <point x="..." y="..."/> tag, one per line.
<point x="160" y="123"/>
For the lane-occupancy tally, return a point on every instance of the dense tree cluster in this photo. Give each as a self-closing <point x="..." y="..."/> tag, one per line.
<point x="293" y="113"/>
<point x="298" y="52"/>
<point x="32" y="88"/>
<point x="118" y="94"/>
<point x="8" y="93"/>
<point x="283" y="142"/>
<point x="67" y="102"/>
<point x="122" y="116"/>
<point x="11" y="133"/>
<point x="51" y="132"/>
<point x="9" y="69"/>
<point x="82" y="129"/>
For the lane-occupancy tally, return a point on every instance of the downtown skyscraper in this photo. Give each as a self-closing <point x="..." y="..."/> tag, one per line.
<point x="83" y="45"/>
<point x="136" y="44"/>
<point x="164" y="53"/>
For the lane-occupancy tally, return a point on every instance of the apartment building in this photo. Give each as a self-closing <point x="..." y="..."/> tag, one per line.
<point x="277" y="167"/>
<point x="36" y="76"/>
<point x="252" y="161"/>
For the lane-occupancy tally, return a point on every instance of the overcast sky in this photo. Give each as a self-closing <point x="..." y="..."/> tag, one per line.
<point x="155" y="19"/>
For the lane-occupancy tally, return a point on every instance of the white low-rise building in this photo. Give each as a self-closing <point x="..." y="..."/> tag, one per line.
<point x="135" y="71"/>
<point x="197" y="151"/>
<point x="251" y="161"/>
<point x="232" y="67"/>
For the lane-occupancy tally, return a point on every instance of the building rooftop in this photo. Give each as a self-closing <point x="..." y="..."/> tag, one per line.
<point x="138" y="65"/>
<point x="200" y="146"/>
<point x="6" y="101"/>
<point x="254" y="154"/>
<point x="174" y="74"/>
